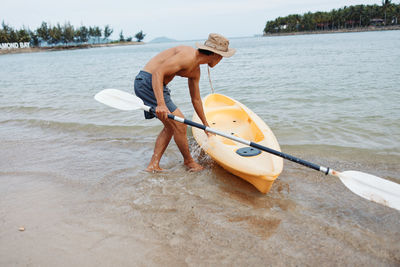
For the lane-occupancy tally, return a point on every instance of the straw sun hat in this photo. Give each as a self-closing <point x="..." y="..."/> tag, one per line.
<point x="218" y="44"/>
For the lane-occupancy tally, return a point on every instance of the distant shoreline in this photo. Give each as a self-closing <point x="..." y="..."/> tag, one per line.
<point x="64" y="47"/>
<point x="358" y="29"/>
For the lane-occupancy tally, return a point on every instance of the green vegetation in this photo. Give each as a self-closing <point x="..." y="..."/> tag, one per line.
<point x="60" y="34"/>
<point x="348" y="17"/>
<point x="140" y="36"/>
<point x="8" y="34"/>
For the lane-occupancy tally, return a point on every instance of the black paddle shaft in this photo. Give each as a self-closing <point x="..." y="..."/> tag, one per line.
<point x="252" y="144"/>
<point x="288" y="157"/>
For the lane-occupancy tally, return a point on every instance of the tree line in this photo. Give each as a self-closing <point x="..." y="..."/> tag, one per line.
<point x="343" y="18"/>
<point x="60" y="34"/>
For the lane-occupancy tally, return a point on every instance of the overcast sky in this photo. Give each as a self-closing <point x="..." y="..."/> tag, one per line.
<point x="176" y="19"/>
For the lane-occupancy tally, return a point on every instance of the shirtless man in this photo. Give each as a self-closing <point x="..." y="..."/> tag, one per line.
<point x="151" y="87"/>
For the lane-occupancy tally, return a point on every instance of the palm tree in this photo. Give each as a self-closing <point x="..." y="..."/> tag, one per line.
<point x="121" y="37"/>
<point x="82" y="34"/>
<point x="308" y="21"/>
<point x="140" y="36"/>
<point x="358" y="13"/>
<point x="334" y="17"/>
<point x="68" y="33"/>
<point x="107" y="31"/>
<point x="23" y="35"/>
<point x="92" y="32"/>
<point x="34" y="38"/>
<point x="352" y="14"/>
<point x="43" y="32"/>
<point x="5" y="33"/>
<point x="386" y="4"/>
<point x="55" y="34"/>
<point x="397" y="13"/>
<point x="97" y="33"/>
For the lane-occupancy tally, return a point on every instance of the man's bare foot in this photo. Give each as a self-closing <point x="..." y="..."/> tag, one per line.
<point x="193" y="166"/>
<point x="154" y="169"/>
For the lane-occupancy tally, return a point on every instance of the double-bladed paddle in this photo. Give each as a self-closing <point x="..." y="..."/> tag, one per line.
<point x="365" y="185"/>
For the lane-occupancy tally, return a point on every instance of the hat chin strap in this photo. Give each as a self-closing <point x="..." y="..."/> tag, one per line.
<point x="209" y="79"/>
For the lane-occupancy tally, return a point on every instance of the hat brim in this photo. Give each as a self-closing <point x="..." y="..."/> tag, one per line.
<point x="229" y="53"/>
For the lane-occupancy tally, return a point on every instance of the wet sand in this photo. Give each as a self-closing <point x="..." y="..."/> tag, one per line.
<point x="97" y="210"/>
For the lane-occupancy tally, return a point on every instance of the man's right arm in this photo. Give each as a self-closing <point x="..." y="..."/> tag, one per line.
<point x="168" y="68"/>
<point x="158" y="86"/>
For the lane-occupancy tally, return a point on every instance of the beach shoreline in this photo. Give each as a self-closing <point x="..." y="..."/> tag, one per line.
<point x="64" y="47"/>
<point x="358" y="29"/>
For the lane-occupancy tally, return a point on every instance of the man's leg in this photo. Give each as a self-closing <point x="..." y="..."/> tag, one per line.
<point x="179" y="131"/>
<point x="180" y="138"/>
<point x="161" y="144"/>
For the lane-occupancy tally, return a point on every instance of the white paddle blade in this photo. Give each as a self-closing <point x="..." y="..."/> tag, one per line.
<point x="372" y="188"/>
<point x="120" y="99"/>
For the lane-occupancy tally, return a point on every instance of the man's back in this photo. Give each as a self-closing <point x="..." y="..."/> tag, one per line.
<point x="179" y="60"/>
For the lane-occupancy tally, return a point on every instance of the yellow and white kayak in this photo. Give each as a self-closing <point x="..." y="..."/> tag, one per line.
<point x="230" y="116"/>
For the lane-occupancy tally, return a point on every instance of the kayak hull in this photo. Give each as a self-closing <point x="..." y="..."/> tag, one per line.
<point x="230" y="116"/>
<point x="263" y="183"/>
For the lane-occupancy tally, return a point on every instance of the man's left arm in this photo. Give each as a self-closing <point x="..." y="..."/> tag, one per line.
<point x="196" y="99"/>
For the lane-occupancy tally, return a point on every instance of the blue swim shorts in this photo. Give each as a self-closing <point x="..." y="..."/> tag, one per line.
<point x="144" y="90"/>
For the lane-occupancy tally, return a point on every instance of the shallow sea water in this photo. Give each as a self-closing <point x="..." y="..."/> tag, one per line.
<point x="72" y="174"/>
